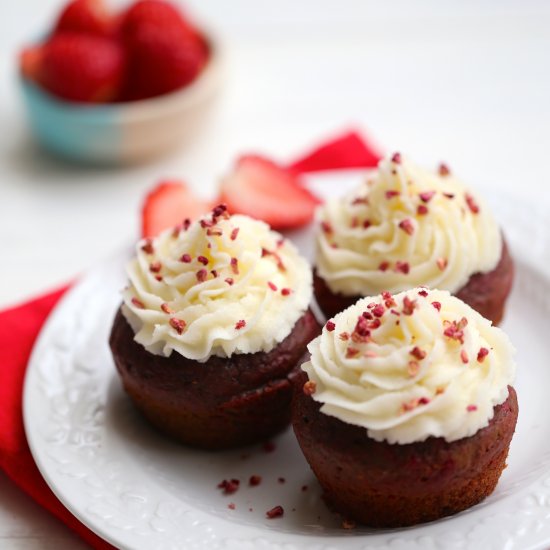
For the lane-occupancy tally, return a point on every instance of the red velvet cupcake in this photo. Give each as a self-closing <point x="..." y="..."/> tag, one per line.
<point x="407" y="227"/>
<point x="213" y="326"/>
<point x="405" y="411"/>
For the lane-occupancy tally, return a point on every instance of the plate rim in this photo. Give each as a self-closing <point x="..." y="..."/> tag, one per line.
<point x="521" y="256"/>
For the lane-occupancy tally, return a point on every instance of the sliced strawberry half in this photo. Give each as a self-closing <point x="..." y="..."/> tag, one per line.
<point x="260" y="188"/>
<point x="167" y="205"/>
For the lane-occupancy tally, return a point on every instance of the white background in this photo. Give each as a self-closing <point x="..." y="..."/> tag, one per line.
<point x="468" y="83"/>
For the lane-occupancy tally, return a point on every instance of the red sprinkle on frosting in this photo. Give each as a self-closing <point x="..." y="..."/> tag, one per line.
<point x="202" y="275"/>
<point x="388" y="298"/>
<point x="240" y="324"/>
<point x="413" y="403"/>
<point x="437" y="305"/>
<point x="481" y="354"/>
<point x="378" y="310"/>
<point x="166" y="308"/>
<point x="471" y="408"/>
<point x="384" y="266"/>
<point x="407" y="226"/>
<point x="396" y="158"/>
<point x="402" y="267"/>
<point x="426" y="196"/>
<point x="454" y="332"/>
<point x="155" y="267"/>
<point x="148" y="247"/>
<point x="361" y="332"/>
<point x="408" y="306"/>
<point x="229" y="281"/>
<point x="330" y="326"/>
<point x="272" y="286"/>
<point x="443" y="169"/>
<point x="442" y="263"/>
<point x="421" y="209"/>
<point x="186" y="258"/>
<point x="326" y="227"/>
<point x="234" y="233"/>
<point x="203" y="260"/>
<point x="235" y="266"/>
<point x="137" y="303"/>
<point x="178" y="325"/>
<point x="219" y="210"/>
<point x="286" y="291"/>
<point x="472" y="204"/>
<point x="418" y="353"/>
<point x="392" y="193"/>
<point x="464" y="356"/>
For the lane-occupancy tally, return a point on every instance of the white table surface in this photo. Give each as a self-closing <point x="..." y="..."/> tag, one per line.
<point x="464" y="82"/>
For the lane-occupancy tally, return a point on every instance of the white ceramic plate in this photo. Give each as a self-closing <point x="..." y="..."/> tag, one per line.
<point x="139" y="490"/>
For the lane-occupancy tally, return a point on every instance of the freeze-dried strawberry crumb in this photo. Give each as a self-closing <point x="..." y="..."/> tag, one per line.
<point x="276" y="512"/>
<point x="254" y="480"/>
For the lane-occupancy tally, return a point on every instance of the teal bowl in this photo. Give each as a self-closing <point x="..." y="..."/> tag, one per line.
<point x="122" y="133"/>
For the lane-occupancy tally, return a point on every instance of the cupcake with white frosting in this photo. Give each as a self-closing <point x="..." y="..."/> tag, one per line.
<point x="404" y="227"/>
<point x="214" y="323"/>
<point x="405" y="410"/>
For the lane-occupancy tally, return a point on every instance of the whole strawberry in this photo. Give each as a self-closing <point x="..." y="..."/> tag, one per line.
<point x="85" y="16"/>
<point x="82" y="67"/>
<point x="159" y="13"/>
<point x="165" y="52"/>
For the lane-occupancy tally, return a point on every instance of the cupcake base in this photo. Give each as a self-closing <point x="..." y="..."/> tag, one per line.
<point x="390" y="485"/>
<point x="484" y="292"/>
<point x="218" y="404"/>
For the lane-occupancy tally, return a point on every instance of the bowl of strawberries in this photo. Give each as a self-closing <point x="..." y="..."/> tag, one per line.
<point x="119" y="88"/>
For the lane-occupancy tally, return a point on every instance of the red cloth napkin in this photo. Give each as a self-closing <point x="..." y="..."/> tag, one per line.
<point x="19" y="327"/>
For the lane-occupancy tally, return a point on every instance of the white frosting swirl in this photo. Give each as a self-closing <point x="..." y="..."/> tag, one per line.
<point x="225" y="285"/>
<point x="421" y="373"/>
<point x="405" y="227"/>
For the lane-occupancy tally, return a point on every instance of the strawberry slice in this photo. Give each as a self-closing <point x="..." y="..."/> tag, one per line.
<point x="167" y="205"/>
<point x="264" y="190"/>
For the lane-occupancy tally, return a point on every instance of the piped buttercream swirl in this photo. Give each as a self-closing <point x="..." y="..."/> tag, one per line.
<point x="222" y="285"/>
<point x="405" y="227"/>
<point x="412" y="365"/>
